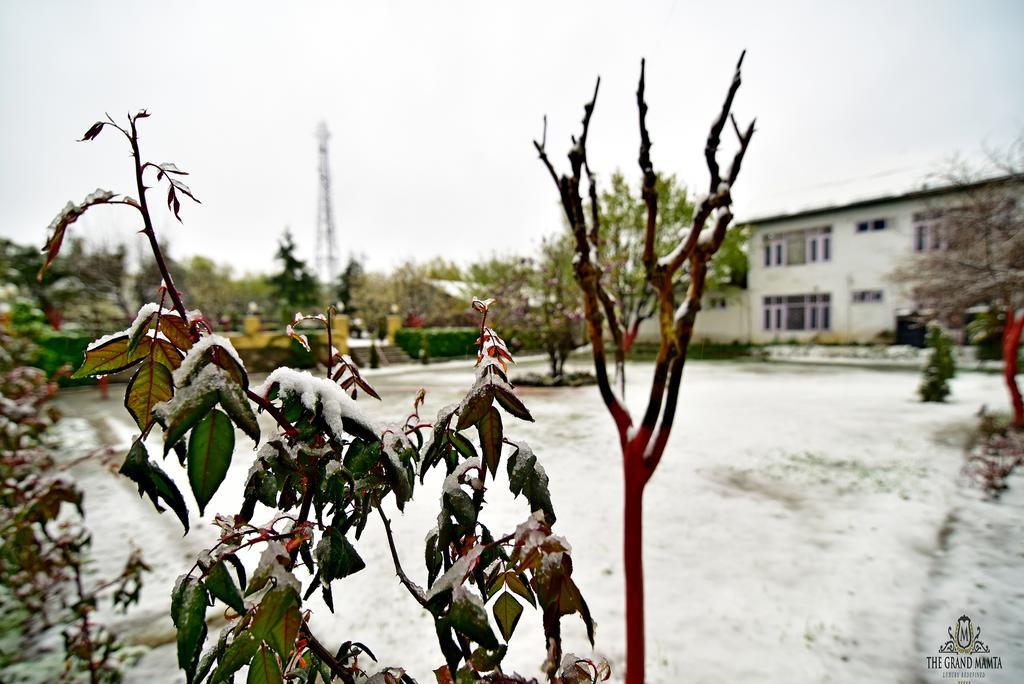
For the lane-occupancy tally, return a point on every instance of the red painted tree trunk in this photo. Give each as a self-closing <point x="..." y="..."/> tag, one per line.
<point x="1011" y="343"/>
<point x="632" y="554"/>
<point x="630" y="337"/>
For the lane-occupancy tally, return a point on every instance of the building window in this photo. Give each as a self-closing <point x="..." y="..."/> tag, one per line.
<point x="797" y="247"/>
<point x="874" y="224"/>
<point x="797" y="312"/>
<point x="866" y="296"/>
<point x="929" y="235"/>
<point x="717" y="303"/>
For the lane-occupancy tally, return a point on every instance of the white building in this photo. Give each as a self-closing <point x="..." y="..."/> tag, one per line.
<point x="826" y="274"/>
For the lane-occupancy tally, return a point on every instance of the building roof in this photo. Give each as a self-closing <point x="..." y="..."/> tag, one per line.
<point x="922" y="193"/>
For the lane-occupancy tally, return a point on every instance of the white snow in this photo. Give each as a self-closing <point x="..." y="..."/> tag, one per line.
<point x="455" y="575"/>
<point x="453" y="481"/>
<point x="335" y="403"/>
<point x="793" y="529"/>
<point x="211" y="378"/>
<point x="195" y="356"/>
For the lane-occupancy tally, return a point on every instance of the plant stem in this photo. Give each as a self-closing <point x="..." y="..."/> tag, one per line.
<point x="148" y="223"/>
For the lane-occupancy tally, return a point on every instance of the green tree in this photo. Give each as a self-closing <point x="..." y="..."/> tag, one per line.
<point x="940" y="368"/>
<point x="348" y="280"/>
<point x="558" y="315"/>
<point x="294" y="286"/>
<point x="92" y="295"/>
<point x="623" y="219"/>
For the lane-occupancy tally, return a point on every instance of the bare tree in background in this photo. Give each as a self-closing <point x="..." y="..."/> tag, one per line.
<point x="643" y="445"/>
<point x="971" y="253"/>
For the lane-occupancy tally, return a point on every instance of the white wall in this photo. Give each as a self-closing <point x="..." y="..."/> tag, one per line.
<point x="721" y="325"/>
<point x="860" y="261"/>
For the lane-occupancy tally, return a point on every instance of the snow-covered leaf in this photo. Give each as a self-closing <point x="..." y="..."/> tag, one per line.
<point x="468" y="617"/>
<point x="222" y="586"/>
<point x="188" y="612"/>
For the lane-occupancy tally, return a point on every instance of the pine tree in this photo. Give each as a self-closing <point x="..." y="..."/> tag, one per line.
<point x="940" y="367"/>
<point x="348" y="281"/>
<point x="295" y="287"/>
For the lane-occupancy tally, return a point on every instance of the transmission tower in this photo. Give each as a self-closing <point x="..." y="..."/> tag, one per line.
<point x="326" y="242"/>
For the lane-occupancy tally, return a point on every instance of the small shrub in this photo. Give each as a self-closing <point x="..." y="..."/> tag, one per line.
<point x="46" y="586"/>
<point x="438" y="342"/>
<point x="317" y="480"/>
<point x="374" y="356"/>
<point x="940" y="367"/>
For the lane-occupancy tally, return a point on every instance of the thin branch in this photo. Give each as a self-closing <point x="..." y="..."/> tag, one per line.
<point x="587" y="273"/>
<point x="267" y="406"/>
<point x="715" y="134"/>
<point x="648" y="190"/>
<point x="337" y="669"/>
<point x="414" y="589"/>
<point x="148" y="221"/>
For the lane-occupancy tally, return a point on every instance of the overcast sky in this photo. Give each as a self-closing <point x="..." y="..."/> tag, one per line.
<point x="432" y="107"/>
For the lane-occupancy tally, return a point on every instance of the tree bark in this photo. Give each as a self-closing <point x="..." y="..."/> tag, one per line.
<point x="630" y="337"/>
<point x="1011" y="343"/>
<point x="632" y="554"/>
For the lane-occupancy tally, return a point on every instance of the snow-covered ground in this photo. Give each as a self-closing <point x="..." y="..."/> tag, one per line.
<point x="808" y="523"/>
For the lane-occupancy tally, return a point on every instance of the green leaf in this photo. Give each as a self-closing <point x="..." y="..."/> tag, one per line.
<point x="462" y="445"/>
<point x="153" y="482"/>
<point x="511" y="403"/>
<point x="507" y="612"/>
<point x="150" y="385"/>
<point x="277" y="620"/>
<point x="167" y="354"/>
<point x="484" y="660"/>
<point x="527" y="477"/>
<point x="222" y="586"/>
<point x="264" y="668"/>
<point x="188" y="612"/>
<point x="474" y="407"/>
<point x="237" y="654"/>
<point x="432" y="557"/>
<point x="468" y="617"/>
<point x="361" y="457"/>
<point x="140" y="333"/>
<point x="233" y="400"/>
<point x="209" y="455"/>
<point x="112" y="357"/>
<point x="515" y="582"/>
<point x="337" y="557"/>
<point x="186" y="418"/>
<point x="490" y="432"/>
<point x="460" y="505"/>
<point x="399" y="478"/>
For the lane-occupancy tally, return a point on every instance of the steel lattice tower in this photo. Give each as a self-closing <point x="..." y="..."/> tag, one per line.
<point x="326" y="242"/>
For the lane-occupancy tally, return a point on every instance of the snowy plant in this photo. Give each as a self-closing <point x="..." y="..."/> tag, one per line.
<point x="688" y="259"/>
<point x="46" y="582"/>
<point x="314" y="483"/>
<point x="940" y="368"/>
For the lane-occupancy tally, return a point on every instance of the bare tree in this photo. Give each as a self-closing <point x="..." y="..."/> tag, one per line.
<point x="642" y="446"/>
<point x="971" y="254"/>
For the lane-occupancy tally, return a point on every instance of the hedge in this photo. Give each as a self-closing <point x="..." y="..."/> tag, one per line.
<point x="57" y="350"/>
<point x="438" y="342"/>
